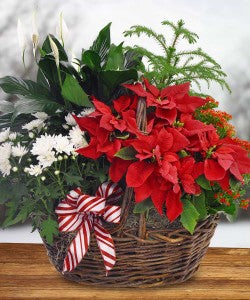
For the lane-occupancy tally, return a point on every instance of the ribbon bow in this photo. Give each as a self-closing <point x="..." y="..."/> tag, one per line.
<point x="82" y="212"/>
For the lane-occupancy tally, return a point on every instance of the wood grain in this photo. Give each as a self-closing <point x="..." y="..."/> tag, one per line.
<point x="25" y="273"/>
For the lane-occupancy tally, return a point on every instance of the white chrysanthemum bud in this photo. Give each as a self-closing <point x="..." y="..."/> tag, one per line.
<point x="26" y="169"/>
<point x="31" y="135"/>
<point x="60" y="158"/>
<point x="15" y="169"/>
<point x="57" y="172"/>
<point x="65" y="126"/>
<point x="43" y="178"/>
<point x="65" y="156"/>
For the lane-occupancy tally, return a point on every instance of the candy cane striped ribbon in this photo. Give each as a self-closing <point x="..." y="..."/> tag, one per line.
<point x="80" y="212"/>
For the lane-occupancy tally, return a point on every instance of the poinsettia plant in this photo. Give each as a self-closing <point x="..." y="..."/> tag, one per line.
<point x="78" y="126"/>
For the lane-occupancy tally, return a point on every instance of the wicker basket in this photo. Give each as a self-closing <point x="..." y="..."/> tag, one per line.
<point x="148" y="254"/>
<point x="162" y="259"/>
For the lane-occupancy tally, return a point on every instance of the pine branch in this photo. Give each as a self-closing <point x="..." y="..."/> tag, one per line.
<point x="138" y="30"/>
<point x="173" y="66"/>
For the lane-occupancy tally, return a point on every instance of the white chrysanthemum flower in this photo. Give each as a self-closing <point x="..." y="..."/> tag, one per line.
<point x="47" y="159"/>
<point x="34" y="170"/>
<point x="41" y="115"/>
<point x="19" y="150"/>
<point x="86" y="112"/>
<point x="5" y="166"/>
<point x="43" y="145"/>
<point x="35" y="124"/>
<point x="77" y="137"/>
<point x="62" y="144"/>
<point x="4" y="135"/>
<point x="70" y="120"/>
<point x="13" y="136"/>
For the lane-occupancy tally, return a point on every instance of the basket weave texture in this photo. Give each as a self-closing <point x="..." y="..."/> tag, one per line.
<point x="154" y="262"/>
<point x="148" y="253"/>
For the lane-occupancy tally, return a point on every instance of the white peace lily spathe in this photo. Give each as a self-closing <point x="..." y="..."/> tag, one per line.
<point x="35" y="34"/>
<point x="62" y="29"/>
<point x="55" y="51"/>
<point x="21" y="38"/>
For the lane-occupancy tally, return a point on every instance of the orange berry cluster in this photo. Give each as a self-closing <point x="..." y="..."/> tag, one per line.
<point x="227" y="196"/>
<point x="242" y="143"/>
<point x="219" y="119"/>
<point x="245" y="203"/>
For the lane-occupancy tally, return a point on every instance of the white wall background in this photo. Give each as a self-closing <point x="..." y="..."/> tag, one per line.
<point x="224" y="30"/>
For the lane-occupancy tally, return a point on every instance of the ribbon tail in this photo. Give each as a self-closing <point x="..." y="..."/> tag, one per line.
<point x="78" y="247"/>
<point x="106" y="245"/>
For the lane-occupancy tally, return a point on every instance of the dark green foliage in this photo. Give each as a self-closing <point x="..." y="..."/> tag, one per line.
<point x="173" y="66"/>
<point x="49" y="228"/>
<point x="189" y="216"/>
<point x="102" y="69"/>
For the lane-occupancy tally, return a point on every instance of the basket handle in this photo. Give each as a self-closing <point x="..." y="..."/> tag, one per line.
<point x="141" y="120"/>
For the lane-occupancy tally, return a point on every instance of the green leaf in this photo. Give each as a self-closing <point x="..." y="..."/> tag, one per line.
<point x="102" y="43"/>
<point x="34" y="96"/>
<point x="115" y="58"/>
<point x="72" y="91"/>
<point x="5" y="194"/>
<point x="204" y="183"/>
<point x="126" y="153"/>
<point x="49" y="228"/>
<point x="41" y="79"/>
<point x="28" y="106"/>
<point x="91" y="59"/>
<point x="189" y="216"/>
<point x="46" y="48"/>
<point x="21" y="216"/>
<point x="48" y="67"/>
<point x="6" y="107"/>
<point x="199" y="203"/>
<point x="112" y="79"/>
<point x="27" y="88"/>
<point x="73" y="179"/>
<point x="143" y="206"/>
<point x="132" y="59"/>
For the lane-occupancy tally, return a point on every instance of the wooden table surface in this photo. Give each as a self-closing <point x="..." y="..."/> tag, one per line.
<point x="25" y="273"/>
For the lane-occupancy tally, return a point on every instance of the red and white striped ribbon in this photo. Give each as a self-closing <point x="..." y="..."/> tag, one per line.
<point x="80" y="212"/>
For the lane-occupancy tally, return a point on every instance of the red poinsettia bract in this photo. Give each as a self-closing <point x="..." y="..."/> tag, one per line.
<point x="169" y="101"/>
<point x="158" y="172"/>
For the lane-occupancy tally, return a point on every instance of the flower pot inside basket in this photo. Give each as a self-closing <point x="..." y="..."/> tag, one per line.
<point x="169" y="255"/>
